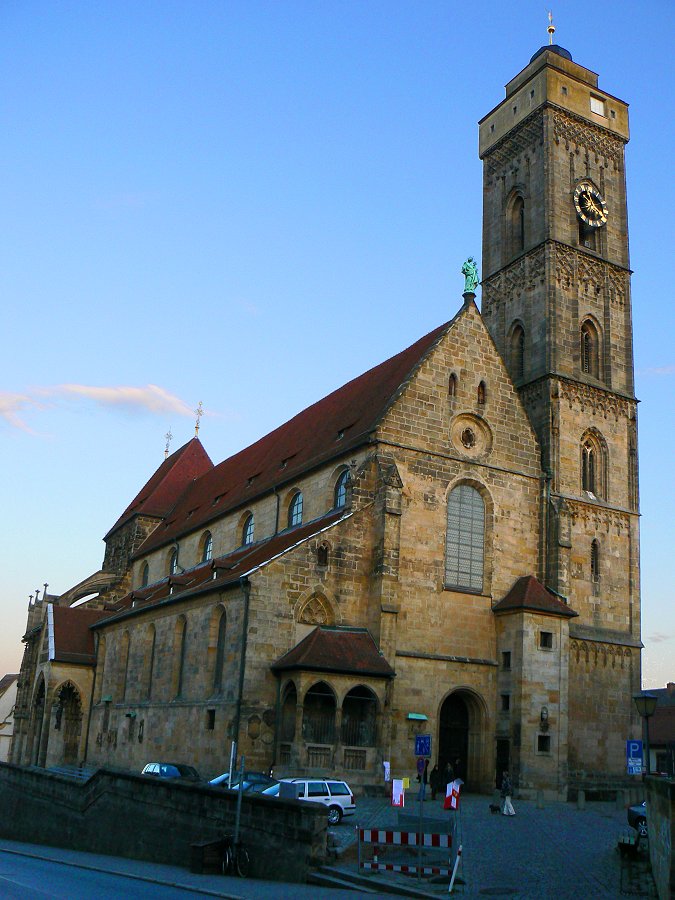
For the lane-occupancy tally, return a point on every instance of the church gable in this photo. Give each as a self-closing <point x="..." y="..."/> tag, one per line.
<point x="461" y="402"/>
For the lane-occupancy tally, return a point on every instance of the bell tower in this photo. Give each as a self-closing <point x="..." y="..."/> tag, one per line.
<point x="556" y="299"/>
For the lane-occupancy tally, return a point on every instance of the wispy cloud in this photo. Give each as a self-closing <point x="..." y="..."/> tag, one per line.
<point x="150" y="399"/>
<point x="13" y="405"/>
<point x="658" y="370"/>
<point x="658" y="637"/>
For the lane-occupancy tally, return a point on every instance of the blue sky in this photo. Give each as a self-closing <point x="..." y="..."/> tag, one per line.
<point x="250" y="203"/>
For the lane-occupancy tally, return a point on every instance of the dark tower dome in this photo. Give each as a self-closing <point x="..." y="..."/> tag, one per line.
<point x="554" y="48"/>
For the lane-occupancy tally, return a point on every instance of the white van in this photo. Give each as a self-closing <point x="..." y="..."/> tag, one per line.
<point x="336" y="795"/>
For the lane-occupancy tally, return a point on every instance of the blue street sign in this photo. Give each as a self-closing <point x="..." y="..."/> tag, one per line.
<point x="634" y="757"/>
<point x="423" y="745"/>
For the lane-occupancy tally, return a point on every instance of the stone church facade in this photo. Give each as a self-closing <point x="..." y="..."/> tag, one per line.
<point x="447" y="544"/>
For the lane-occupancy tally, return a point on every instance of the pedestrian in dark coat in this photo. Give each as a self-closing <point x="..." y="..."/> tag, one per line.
<point x="435" y="781"/>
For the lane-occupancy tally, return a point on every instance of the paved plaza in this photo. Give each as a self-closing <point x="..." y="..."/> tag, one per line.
<point x="558" y="851"/>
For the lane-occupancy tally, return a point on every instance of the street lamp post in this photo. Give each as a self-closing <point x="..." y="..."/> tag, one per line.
<point x="646" y="705"/>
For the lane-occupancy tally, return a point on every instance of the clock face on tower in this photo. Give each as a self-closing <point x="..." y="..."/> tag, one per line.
<point x="590" y="207"/>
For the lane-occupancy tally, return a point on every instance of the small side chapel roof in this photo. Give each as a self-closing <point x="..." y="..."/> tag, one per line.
<point x="337" y="649"/>
<point x="161" y="492"/>
<point x="529" y="593"/>
<point x="339" y="422"/>
<point x="70" y="638"/>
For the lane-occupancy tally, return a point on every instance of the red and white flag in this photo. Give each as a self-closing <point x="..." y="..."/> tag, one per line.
<point x="452" y="794"/>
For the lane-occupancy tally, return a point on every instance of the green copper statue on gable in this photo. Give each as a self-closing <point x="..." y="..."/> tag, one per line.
<point x="470" y="273"/>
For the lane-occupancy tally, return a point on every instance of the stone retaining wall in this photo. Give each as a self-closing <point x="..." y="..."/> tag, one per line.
<point x="661" y="825"/>
<point x="135" y="816"/>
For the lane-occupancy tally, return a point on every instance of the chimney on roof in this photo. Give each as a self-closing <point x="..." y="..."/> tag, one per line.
<point x="670" y="687"/>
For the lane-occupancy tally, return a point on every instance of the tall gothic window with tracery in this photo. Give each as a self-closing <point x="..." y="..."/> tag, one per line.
<point x="590" y="350"/>
<point x="465" y="539"/>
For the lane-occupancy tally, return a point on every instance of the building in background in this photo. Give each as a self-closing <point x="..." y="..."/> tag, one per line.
<point x="7" y="701"/>
<point x="446" y="544"/>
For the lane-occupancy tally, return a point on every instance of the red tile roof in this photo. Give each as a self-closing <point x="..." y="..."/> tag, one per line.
<point x="73" y="640"/>
<point x="340" y="422"/>
<point x="349" y="651"/>
<point x="161" y="492"/>
<point x="227" y="569"/>
<point x="528" y="593"/>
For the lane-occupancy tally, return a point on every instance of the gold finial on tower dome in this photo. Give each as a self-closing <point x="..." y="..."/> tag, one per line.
<point x="551" y="27"/>
<point x="168" y="437"/>
<point x="199" y="412"/>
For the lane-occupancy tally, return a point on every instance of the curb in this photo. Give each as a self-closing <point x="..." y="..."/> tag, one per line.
<point x="76" y="865"/>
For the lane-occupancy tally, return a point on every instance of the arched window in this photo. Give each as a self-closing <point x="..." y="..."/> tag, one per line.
<point x="359" y="709"/>
<point x="247" y="530"/>
<point x="295" y="510"/>
<point x="515" y="218"/>
<point x="452" y="385"/>
<point x="220" y="654"/>
<point x="517" y="350"/>
<point x="481" y="394"/>
<point x="318" y="720"/>
<point x="589" y="465"/>
<point x="465" y="539"/>
<point x="173" y="561"/>
<point x="590" y="349"/>
<point x="207" y="546"/>
<point x="594" y="466"/>
<point x="322" y="556"/>
<point x="341" y="489"/>
<point x="180" y="641"/>
<point x="595" y="561"/>
<point x="145" y="575"/>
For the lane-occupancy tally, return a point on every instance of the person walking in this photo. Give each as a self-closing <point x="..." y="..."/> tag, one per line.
<point x="449" y="774"/>
<point x="435" y="781"/>
<point x="506" y="791"/>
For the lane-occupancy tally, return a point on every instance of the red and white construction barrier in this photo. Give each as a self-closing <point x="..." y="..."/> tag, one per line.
<point x="404" y="838"/>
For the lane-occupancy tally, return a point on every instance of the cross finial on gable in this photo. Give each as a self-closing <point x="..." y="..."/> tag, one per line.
<point x="199" y="412"/>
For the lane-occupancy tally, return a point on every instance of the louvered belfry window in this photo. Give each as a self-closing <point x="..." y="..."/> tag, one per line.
<point x="465" y="539"/>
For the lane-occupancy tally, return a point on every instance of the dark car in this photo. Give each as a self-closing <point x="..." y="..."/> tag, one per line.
<point x="637" y="818"/>
<point x="254" y="781"/>
<point x="171" y="770"/>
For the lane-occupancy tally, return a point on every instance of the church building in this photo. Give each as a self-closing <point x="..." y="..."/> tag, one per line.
<point x="446" y="545"/>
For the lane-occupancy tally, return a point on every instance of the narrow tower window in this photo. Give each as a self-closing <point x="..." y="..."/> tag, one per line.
<point x="590" y="355"/>
<point x="341" y="488"/>
<point x="247" y="530"/>
<point x="452" y="385"/>
<point x="481" y="394"/>
<point x="595" y="561"/>
<point x="517" y="350"/>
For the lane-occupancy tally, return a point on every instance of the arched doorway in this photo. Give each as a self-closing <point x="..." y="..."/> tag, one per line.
<point x="461" y="736"/>
<point x="453" y="736"/>
<point x="68" y="720"/>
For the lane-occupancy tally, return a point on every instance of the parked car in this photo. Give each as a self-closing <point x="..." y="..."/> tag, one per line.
<point x="171" y="770"/>
<point x="336" y="795"/>
<point x="637" y="818"/>
<point x="250" y="780"/>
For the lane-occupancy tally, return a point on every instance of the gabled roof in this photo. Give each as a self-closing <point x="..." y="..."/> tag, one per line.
<point x="70" y="634"/>
<point x="223" y="571"/>
<point x="337" y="649"/>
<point x="340" y="422"/>
<point x="528" y="593"/>
<point x="158" y="496"/>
